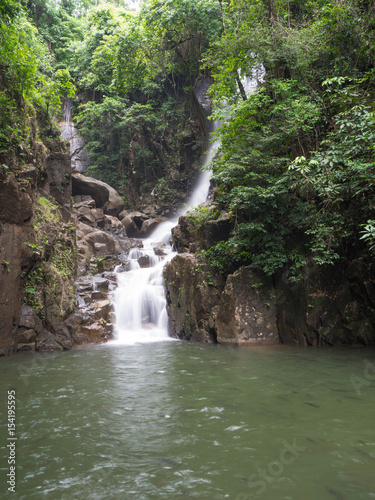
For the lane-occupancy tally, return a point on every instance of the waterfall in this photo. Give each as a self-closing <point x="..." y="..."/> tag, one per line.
<point x="139" y="300"/>
<point x="78" y="153"/>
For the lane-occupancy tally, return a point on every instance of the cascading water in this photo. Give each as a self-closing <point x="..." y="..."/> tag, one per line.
<point x="139" y="300"/>
<point x="78" y="153"/>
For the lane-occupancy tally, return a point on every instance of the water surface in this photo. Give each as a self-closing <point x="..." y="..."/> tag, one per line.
<point x="188" y="421"/>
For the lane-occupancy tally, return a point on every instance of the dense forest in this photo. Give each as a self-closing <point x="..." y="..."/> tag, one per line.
<point x="295" y="171"/>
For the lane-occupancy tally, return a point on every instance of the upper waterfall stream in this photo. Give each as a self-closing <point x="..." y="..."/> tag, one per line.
<point x="139" y="300"/>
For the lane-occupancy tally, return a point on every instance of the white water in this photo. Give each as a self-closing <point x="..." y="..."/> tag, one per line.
<point x="78" y="153"/>
<point x="139" y="300"/>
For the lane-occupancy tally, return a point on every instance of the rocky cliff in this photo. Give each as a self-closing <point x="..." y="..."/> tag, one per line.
<point x="37" y="251"/>
<point x="329" y="305"/>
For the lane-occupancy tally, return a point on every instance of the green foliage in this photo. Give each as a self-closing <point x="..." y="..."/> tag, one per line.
<point x="201" y="214"/>
<point x="368" y="234"/>
<point x="296" y="163"/>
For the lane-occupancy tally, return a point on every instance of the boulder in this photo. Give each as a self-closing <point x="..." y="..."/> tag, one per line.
<point x="104" y="195"/>
<point x="133" y="224"/>
<point x="111" y="245"/>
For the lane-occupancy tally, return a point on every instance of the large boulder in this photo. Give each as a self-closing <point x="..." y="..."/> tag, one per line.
<point x="104" y="195"/>
<point x="139" y="225"/>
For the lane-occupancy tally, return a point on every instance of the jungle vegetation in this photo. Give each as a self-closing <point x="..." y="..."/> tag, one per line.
<point x="295" y="169"/>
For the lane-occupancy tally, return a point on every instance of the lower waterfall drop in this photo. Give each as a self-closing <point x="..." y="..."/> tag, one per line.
<point x="139" y="300"/>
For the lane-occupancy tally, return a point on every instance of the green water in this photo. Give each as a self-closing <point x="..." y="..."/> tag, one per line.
<point x="176" y="420"/>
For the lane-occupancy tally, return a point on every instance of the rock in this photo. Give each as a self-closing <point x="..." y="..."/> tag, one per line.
<point x="113" y="225"/>
<point x="86" y="217"/>
<point x="26" y="336"/>
<point x="144" y="261"/>
<point x="26" y="347"/>
<point x="101" y="283"/>
<point x="158" y="250"/>
<point x="94" y="332"/>
<point x="47" y="342"/>
<point x="84" y="201"/>
<point x="84" y="284"/>
<point x="28" y="318"/>
<point x="244" y="312"/>
<point x="133" y="224"/>
<point x="190" y="299"/>
<point x="104" y="195"/>
<point x="247" y="310"/>
<point x="188" y="238"/>
<point x="111" y="245"/>
<point x="102" y="309"/>
<point x="148" y="226"/>
<point x="83" y="230"/>
<point x="122" y="214"/>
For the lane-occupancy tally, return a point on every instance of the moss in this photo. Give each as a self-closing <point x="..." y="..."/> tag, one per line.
<point x="51" y="279"/>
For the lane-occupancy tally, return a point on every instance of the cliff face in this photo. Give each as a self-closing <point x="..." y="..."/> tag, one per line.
<point x="330" y="305"/>
<point x="37" y="252"/>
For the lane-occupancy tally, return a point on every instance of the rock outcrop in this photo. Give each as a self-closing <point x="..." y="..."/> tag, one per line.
<point x="242" y="312"/>
<point x="329" y="305"/>
<point x="37" y="252"/>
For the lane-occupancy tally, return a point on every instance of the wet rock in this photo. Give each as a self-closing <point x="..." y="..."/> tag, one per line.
<point x="190" y="299"/>
<point x="159" y="250"/>
<point x="144" y="261"/>
<point x="149" y="225"/>
<point x="84" y="284"/>
<point x="101" y="283"/>
<point x="26" y="347"/>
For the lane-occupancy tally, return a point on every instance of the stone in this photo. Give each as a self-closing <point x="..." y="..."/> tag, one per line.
<point x="247" y="310"/>
<point x="87" y="218"/>
<point x="112" y="246"/>
<point x="158" y="250"/>
<point x="101" y="283"/>
<point x="84" y="201"/>
<point x="133" y="224"/>
<point x="104" y="195"/>
<point x="47" y="342"/>
<point x="26" y="336"/>
<point x="102" y="308"/>
<point x="26" y="347"/>
<point x="148" y="226"/>
<point x="144" y="261"/>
